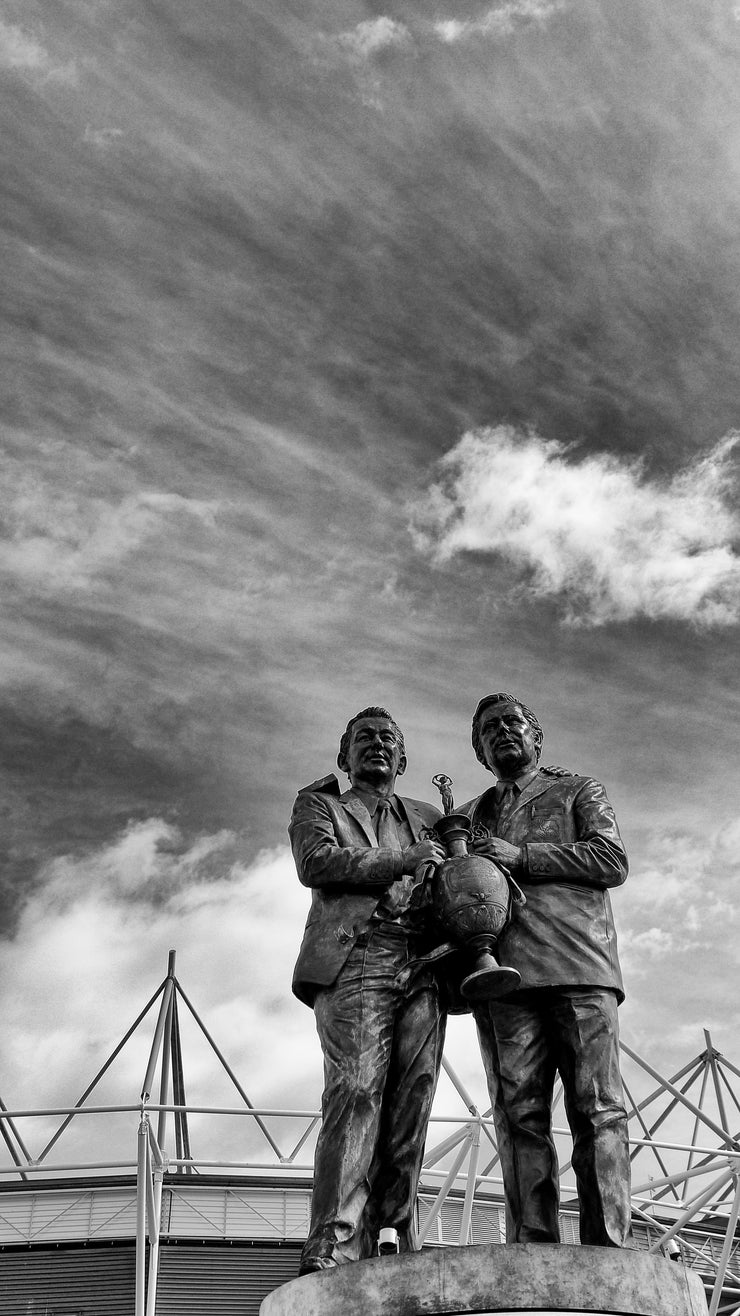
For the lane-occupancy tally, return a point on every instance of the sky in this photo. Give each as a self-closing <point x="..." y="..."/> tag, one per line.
<point x="356" y="354"/>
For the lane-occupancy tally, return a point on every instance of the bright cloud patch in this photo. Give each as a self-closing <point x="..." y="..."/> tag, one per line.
<point x="66" y="541"/>
<point x="373" y="35"/>
<point x="597" y="532"/>
<point x="677" y="921"/>
<point x="24" y="54"/>
<point x="20" y="50"/>
<point x="499" y="21"/>
<point x="93" y="945"/>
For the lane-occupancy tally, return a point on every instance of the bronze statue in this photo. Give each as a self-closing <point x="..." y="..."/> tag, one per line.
<point x="557" y="835"/>
<point x="364" y="857"/>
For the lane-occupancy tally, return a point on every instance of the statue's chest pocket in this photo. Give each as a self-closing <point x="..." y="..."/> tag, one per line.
<point x="545" y="824"/>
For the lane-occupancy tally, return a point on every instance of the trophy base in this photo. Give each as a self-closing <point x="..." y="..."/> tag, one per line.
<point x="488" y="983"/>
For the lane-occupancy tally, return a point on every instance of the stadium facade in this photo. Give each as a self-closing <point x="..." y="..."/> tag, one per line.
<point x="163" y="1230"/>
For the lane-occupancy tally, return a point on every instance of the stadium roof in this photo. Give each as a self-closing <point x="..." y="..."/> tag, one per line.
<point x="102" y="1169"/>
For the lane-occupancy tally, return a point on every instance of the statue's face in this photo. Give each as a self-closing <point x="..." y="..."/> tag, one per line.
<point x="374" y="756"/>
<point x="507" y="739"/>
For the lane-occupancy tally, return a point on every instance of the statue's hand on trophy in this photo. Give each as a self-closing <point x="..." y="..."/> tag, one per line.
<point x="428" y="851"/>
<point x="501" y="852"/>
<point x="433" y="856"/>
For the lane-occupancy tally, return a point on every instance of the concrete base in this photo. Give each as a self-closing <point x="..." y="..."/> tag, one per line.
<point x="519" y="1277"/>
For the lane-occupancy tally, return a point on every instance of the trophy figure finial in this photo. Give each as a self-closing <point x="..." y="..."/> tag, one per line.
<point x="444" y="786"/>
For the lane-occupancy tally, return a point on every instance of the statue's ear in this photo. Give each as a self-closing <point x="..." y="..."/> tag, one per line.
<point x="402" y="764"/>
<point x="342" y="763"/>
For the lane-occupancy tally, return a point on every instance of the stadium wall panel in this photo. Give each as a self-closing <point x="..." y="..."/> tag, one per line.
<point x="220" y="1281"/>
<point x="68" y="1281"/>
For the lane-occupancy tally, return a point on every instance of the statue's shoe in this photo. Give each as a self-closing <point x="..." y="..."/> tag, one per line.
<point x="313" y="1264"/>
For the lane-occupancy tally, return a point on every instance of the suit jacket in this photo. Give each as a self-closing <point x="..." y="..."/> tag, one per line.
<point x="565" y="934"/>
<point x="337" y="855"/>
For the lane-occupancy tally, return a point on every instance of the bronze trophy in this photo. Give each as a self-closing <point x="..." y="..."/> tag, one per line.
<point x="472" y="899"/>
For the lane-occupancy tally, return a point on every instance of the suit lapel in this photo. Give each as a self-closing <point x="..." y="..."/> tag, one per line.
<point x="413" y="817"/>
<point x="360" y="814"/>
<point x="537" y="786"/>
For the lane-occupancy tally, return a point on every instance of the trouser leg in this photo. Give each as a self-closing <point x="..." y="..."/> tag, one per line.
<point x="587" y="1031"/>
<point x="354" y="1023"/>
<point x="365" y="1025"/>
<point x="521" y="1072"/>
<point x="414" y="1066"/>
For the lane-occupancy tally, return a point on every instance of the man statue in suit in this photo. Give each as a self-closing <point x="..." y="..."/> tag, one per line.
<point x="557" y="835"/>
<point x="361" y="854"/>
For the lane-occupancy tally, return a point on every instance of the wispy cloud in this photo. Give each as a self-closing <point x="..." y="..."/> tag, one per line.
<point x="23" y="52"/>
<point x="67" y="542"/>
<point x="372" y="36"/>
<point x="498" y="22"/>
<point x="680" y="901"/>
<point x="102" y="138"/>
<point x="678" y="934"/>
<point x="20" y="50"/>
<point x="597" y="532"/>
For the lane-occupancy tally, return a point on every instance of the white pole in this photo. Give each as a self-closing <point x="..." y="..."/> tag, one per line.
<point x="467" y="1211"/>
<point x="441" y="1197"/>
<point x="154" y="1231"/>
<point x="141" y="1186"/>
<point x="726" y="1249"/>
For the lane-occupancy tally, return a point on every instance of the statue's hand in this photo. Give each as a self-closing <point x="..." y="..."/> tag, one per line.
<point x="501" y="852"/>
<point x="423" y="852"/>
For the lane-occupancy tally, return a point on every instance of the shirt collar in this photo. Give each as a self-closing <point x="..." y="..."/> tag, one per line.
<point x="371" y="801"/>
<point x="519" y="782"/>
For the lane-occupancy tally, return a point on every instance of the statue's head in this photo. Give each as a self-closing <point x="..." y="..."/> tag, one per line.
<point x="507" y="737"/>
<point x="372" y="750"/>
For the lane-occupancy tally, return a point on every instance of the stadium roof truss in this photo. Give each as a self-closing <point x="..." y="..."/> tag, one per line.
<point x="685" y="1151"/>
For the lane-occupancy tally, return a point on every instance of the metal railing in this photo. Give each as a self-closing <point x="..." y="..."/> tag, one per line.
<point x="679" y="1209"/>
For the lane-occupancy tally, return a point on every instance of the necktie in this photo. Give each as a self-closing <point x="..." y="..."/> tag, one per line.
<point x="396" y="898"/>
<point x="505" y="792"/>
<point x="385" y="827"/>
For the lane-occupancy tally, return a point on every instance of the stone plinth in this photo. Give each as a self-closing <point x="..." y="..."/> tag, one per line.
<point x="521" y="1277"/>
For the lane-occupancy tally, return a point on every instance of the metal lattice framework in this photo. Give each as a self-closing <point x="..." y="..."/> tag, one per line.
<point x="685" y="1150"/>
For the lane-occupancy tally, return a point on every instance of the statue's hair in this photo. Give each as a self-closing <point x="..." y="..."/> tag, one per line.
<point x="374" y="711"/>
<point x="504" y="698"/>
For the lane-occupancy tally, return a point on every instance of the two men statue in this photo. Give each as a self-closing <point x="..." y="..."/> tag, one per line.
<point x="368" y="856"/>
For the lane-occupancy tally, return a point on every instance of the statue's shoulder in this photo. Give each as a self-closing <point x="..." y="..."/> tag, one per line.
<point x="571" y="783"/>
<point x="470" y="807"/>
<point x="422" y="807"/>
<point x="323" y="786"/>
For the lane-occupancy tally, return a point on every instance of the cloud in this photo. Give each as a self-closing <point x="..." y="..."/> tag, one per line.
<point x="677" y="921"/>
<point x="683" y="891"/>
<point x="500" y="21"/>
<point x="372" y="36"/>
<point x="64" y="541"/>
<point x="22" y="52"/>
<point x="102" y="137"/>
<point x="367" y="39"/>
<point x="595" y="532"/>
<point x="92" y="945"/>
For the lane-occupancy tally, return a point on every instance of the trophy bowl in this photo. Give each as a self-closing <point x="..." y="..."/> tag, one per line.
<point x="471" y="899"/>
